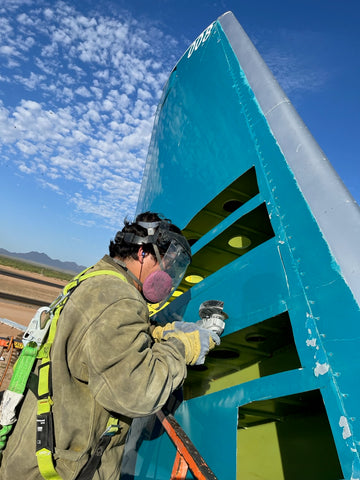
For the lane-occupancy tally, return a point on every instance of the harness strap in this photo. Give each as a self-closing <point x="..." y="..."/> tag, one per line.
<point x="45" y="429"/>
<point x="87" y="472"/>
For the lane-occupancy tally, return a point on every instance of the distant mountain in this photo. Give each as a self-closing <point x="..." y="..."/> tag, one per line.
<point x="45" y="260"/>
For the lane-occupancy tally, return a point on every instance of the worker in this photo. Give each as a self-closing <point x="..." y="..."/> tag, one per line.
<point x="107" y="361"/>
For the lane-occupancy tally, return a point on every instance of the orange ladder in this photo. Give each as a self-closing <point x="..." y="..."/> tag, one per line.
<point x="187" y="456"/>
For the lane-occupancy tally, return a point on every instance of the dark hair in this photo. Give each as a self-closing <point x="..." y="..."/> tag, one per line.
<point x="120" y="248"/>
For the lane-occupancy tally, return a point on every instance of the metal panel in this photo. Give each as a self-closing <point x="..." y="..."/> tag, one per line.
<point x="222" y="115"/>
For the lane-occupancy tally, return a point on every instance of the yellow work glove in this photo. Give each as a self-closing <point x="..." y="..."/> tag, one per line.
<point x="197" y="341"/>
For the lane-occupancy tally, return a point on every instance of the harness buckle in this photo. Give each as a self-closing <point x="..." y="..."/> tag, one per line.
<point x="110" y="431"/>
<point x="35" y="332"/>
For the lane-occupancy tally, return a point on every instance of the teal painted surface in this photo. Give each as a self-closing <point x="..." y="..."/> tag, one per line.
<point x="209" y="130"/>
<point x="193" y="139"/>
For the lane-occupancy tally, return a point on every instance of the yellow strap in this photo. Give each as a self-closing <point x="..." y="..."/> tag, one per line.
<point x="112" y="426"/>
<point x="43" y="386"/>
<point x="46" y="465"/>
<point x="45" y="403"/>
<point x="83" y="276"/>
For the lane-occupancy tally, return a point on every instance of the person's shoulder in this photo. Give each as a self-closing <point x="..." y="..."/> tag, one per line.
<point x="107" y="265"/>
<point x="113" y="280"/>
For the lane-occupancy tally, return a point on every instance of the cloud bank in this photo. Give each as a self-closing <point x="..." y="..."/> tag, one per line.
<point x="292" y="56"/>
<point x="79" y="95"/>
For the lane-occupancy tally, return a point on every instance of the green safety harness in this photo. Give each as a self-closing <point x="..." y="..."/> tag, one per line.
<point x="36" y="348"/>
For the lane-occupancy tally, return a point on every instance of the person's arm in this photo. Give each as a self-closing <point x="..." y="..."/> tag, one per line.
<point x="128" y="372"/>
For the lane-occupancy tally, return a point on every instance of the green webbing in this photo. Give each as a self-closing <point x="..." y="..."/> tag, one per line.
<point x="23" y="368"/>
<point x="4" y="433"/>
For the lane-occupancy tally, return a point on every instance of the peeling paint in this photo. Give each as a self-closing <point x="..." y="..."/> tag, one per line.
<point x="321" y="369"/>
<point x="313" y="341"/>
<point x="343" y="423"/>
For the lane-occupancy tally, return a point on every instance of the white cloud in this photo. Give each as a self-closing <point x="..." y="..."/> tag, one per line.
<point x="293" y="75"/>
<point x="5" y="28"/>
<point x="25" y="169"/>
<point x="24" y="19"/>
<point x="292" y="58"/>
<point x="8" y="50"/>
<point x="87" y="91"/>
<point x="26" y="147"/>
<point x="83" y="91"/>
<point x="31" y="82"/>
<point x="48" y="13"/>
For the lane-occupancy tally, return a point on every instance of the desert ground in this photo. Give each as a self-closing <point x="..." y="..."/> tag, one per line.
<point x="21" y="312"/>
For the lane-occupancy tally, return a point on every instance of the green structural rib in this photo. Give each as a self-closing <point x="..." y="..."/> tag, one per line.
<point x="275" y="235"/>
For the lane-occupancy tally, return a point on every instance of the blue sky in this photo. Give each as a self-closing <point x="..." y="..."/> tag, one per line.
<point x="79" y="85"/>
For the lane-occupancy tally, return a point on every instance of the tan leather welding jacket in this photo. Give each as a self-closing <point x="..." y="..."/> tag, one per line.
<point x="104" y="363"/>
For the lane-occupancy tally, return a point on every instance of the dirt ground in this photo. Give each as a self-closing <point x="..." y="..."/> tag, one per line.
<point x="20" y="312"/>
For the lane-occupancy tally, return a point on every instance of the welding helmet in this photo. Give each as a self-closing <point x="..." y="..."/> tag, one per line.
<point x="172" y="252"/>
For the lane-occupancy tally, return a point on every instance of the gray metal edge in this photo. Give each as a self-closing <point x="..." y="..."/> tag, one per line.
<point x="333" y="207"/>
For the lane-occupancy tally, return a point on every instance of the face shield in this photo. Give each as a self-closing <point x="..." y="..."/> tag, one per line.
<point x="172" y="252"/>
<point x="175" y="262"/>
<point x="160" y="285"/>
